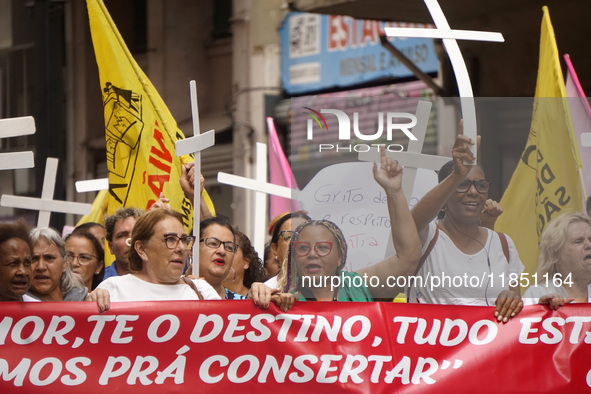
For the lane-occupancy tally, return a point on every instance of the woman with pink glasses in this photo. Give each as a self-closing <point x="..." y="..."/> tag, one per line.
<point x="318" y="252"/>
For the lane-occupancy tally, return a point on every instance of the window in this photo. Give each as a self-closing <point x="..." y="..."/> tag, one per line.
<point x="222" y="12"/>
<point x="130" y="17"/>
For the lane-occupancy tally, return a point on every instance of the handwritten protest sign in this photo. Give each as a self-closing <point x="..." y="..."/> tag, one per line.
<point x="347" y="195"/>
<point x="206" y="347"/>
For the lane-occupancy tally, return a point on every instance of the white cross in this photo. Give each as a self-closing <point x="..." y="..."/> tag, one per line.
<point x="14" y="127"/>
<point x="195" y="145"/>
<point x="259" y="185"/>
<point x="260" y="199"/>
<point x="46" y="204"/>
<point x="92" y="185"/>
<point x="412" y="159"/>
<point x="449" y="38"/>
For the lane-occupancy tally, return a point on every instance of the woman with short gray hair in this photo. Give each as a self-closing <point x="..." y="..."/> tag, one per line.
<point x="53" y="279"/>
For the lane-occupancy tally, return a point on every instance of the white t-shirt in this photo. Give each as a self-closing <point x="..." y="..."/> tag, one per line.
<point x="272" y="282"/>
<point x="28" y="298"/>
<point x="533" y="293"/>
<point x="131" y="288"/>
<point x="449" y="276"/>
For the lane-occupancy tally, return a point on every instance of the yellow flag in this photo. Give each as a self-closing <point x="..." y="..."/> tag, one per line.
<point x="139" y="129"/>
<point x="97" y="215"/>
<point x="546" y="180"/>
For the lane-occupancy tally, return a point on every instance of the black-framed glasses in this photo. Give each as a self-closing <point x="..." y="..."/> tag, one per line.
<point x="303" y="248"/>
<point x="214" y="243"/>
<point x="83" y="258"/>
<point x="481" y="185"/>
<point x="172" y="240"/>
<point x="285" y="234"/>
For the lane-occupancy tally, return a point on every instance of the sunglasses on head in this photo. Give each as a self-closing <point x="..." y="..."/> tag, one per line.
<point x="286" y="234"/>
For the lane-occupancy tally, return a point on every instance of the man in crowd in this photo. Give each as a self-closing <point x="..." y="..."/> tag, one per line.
<point x="119" y="227"/>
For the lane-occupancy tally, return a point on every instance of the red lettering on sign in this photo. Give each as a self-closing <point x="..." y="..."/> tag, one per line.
<point x="369" y="31"/>
<point x="163" y="153"/>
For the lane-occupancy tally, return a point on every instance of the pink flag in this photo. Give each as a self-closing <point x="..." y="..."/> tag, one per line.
<point x="280" y="173"/>
<point x="581" y="116"/>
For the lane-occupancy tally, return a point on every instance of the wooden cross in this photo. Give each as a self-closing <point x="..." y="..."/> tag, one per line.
<point x="46" y="204"/>
<point x="195" y="145"/>
<point x="412" y="159"/>
<point x="261" y="187"/>
<point x="14" y="127"/>
<point x="449" y="37"/>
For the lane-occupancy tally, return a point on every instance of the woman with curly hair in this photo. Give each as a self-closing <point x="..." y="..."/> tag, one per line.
<point x="246" y="268"/>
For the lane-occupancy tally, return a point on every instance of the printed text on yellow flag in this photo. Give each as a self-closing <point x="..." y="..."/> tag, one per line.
<point x="140" y="131"/>
<point x="546" y="180"/>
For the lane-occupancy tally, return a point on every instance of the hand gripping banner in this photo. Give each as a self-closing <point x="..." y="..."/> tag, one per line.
<point x="224" y="346"/>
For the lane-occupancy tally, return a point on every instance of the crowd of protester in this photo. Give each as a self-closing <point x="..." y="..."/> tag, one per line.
<point x="449" y="230"/>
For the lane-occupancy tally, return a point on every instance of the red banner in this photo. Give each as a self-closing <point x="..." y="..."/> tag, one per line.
<point x="223" y="346"/>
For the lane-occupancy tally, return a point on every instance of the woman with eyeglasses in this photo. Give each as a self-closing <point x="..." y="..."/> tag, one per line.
<point x="158" y="249"/>
<point x="216" y="253"/>
<point x="467" y="264"/>
<point x="217" y="249"/>
<point x="318" y="252"/>
<point x="85" y="256"/>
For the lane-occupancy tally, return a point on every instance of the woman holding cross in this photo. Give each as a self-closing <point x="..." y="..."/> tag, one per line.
<point x="467" y="264"/>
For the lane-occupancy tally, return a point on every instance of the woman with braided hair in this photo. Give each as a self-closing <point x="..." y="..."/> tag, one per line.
<point x="318" y="251"/>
